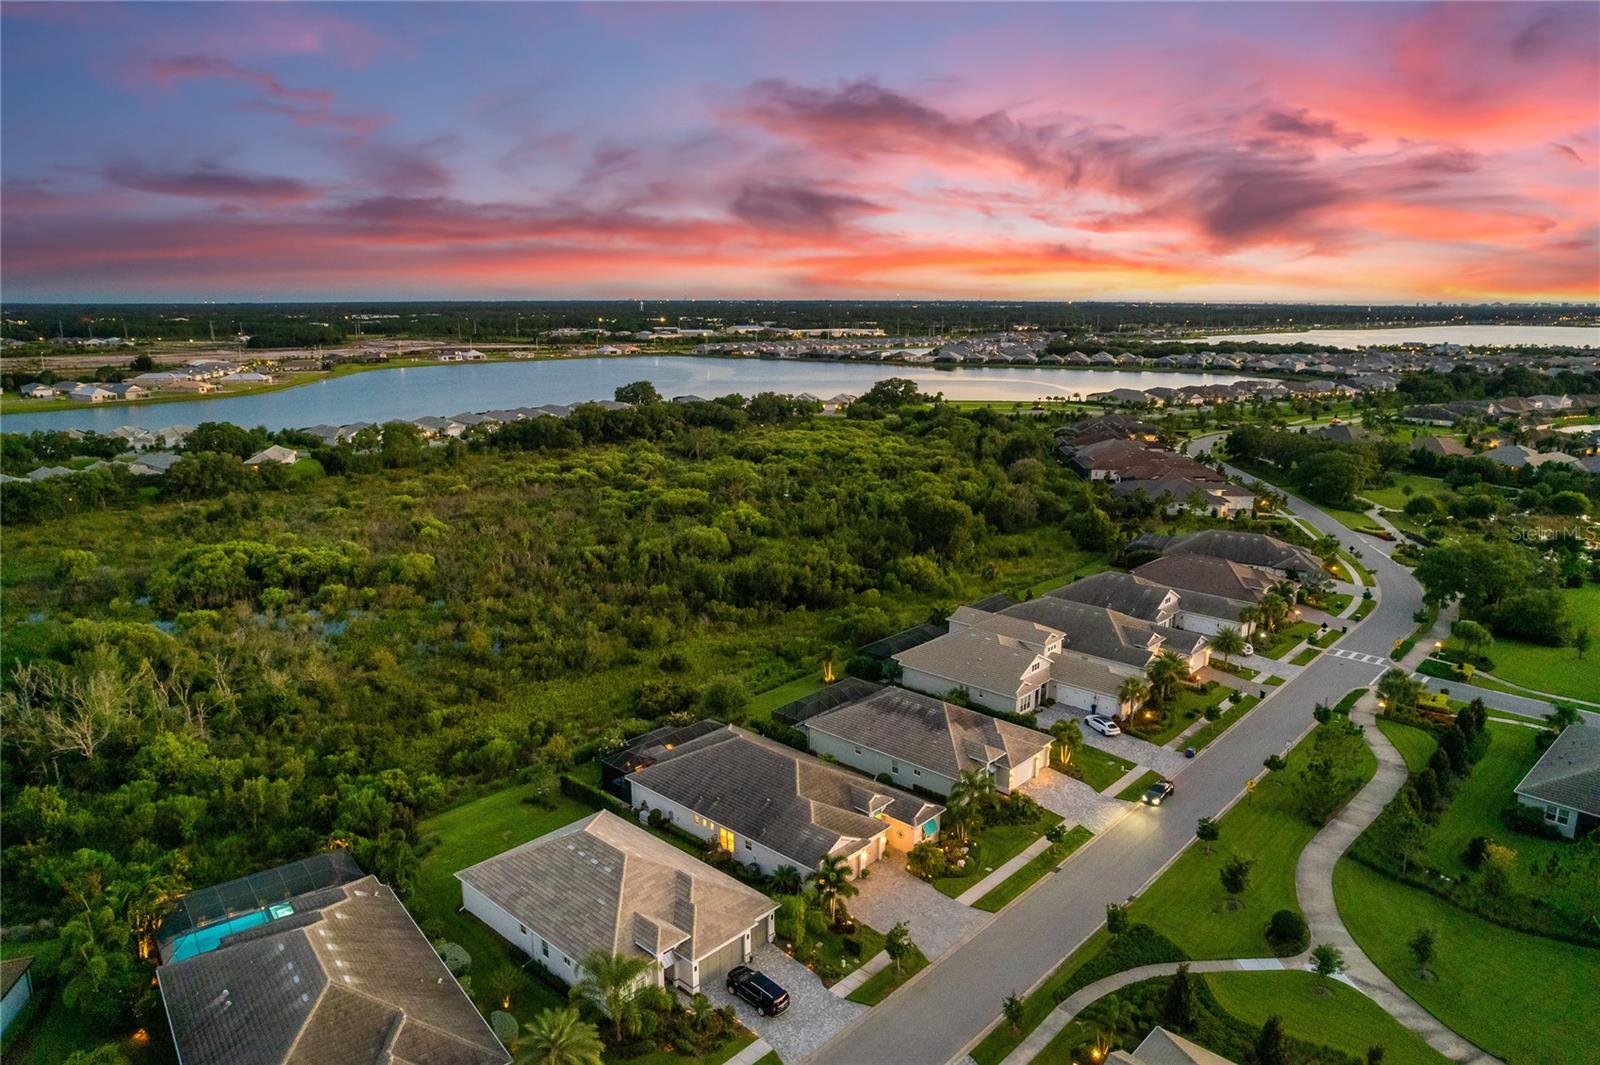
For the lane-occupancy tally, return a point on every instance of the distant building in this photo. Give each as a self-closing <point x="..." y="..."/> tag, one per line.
<point x="16" y="987"/>
<point x="1564" y="784"/>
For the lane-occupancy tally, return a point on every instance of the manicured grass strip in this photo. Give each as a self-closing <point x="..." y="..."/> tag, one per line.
<point x="1304" y="657"/>
<point x="771" y="1059"/>
<point x="1415" y="745"/>
<point x="1134" y="791"/>
<point x="1287" y="638"/>
<point x="1404" y="647"/>
<point x="1336" y="602"/>
<point x="1350" y="699"/>
<point x="1100" y="769"/>
<point x="1272" y="681"/>
<point x="1189" y="705"/>
<point x="1213" y="729"/>
<point x="716" y="1057"/>
<point x="996" y="845"/>
<point x="1367" y="606"/>
<point x="1522" y="998"/>
<point x="1362" y="572"/>
<point x="1328" y="639"/>
<point x="1344" y="1019"/>
<point x="1024" y="878"/>
<point x="1237" y="670"/>
<point x="1188" y="904"/>
<point x="883" y="982"/>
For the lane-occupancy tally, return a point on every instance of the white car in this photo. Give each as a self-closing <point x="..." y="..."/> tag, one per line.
<point x="1104" y="725"/>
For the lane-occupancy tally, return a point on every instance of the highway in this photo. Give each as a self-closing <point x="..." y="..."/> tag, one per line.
<point x="947" y="1007"/>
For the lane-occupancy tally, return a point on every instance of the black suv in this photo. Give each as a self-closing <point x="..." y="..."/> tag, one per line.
<point x="1159" y="791"/>
<point x="758" y="989"/>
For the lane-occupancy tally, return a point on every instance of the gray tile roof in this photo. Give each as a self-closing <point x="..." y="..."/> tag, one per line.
<point x="1212" y="575"/>
<point x="349" y="979"/>
<point x="605" y="884"/>
<point x="799" y="806"/>
<point x="1568" y="773"/>
<point x="1253" y="549"/>
<point x="931" y="733"/>
<point x="1029" y="633"/>
<point x="1090" y="676"/>
<point x="976" y="658"/>
<point x="1122" y="592"/>
<point x="1096" y="631"/>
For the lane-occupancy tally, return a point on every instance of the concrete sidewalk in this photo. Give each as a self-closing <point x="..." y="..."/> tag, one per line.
<point x="998" y="877"/>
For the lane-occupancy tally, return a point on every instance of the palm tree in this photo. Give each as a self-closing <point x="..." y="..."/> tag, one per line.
<point x="611" y="984"/>
<point x="1227" y="642"/>
<point x="1134" y="690"/>
<point x="1164" y="673"/>
<point x="1068" y="737"/>
<point x="785" y="880"/>
<point x="964" y="810"/>
<point x="1250" y="616"/>
<point x="559" y="1037"/>
<point x="833" y="883"/>
<point x="1274" y="610"/>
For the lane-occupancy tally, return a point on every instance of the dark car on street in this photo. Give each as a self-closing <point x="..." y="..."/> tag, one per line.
<point x="758" y="989"/>
<point x="1158" y="792"/>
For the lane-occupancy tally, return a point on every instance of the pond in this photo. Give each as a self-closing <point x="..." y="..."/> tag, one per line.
<point x="419" y="391"/>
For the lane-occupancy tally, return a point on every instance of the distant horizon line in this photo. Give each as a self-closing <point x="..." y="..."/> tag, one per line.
<point x="423" y="301"/>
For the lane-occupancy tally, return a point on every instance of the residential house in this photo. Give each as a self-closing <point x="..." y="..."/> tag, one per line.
<point x="1345" y="433"/>
<point x="1121" y="397"/>
<point x="277" y="453"/>
<point x="308" y="963"/>
<point x="925" y="742"/>
<point x="1125" y="644"/>
<point x="1214" y="576"/>
<point x="44" y="473"/>
<point x="38" y="390"/>
<point x="126" y="390"/>
<point x="1444" y="447"/>
<point x="603" y="884"/>
<point x="91" y="394"/>
<point x="1109" y="427"/>
<point x="1252" y="549"/>
<point x="1155" y="602"/>
<point x="16" y="988"/>
<point x="1162" y="1047"/>
<point x="997" y="661"/>
<point x="1517" y="457"/>
<point x="152" y="463"/>
<point x="772" y="806"/>
<point x="1222" y="499"/>
<point x="1564" y="784"/>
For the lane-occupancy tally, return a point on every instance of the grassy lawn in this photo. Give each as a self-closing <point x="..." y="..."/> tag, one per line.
<point x="1186" y="709"/>
<point x="1415" y="745"/>
<point x="1394" y="497"/>
<point x="1475" y="808"/>
<point x="761" y="706"/>
<point x="1287" y="638"/>
<point x="1362" y="573"/>
<point x="1366" y="607"/>
<point x="995" y="845"/>
<point x="1328" y="639"/>
<point x="1100" y="769"/>
<point x="1304" y="657"/>
<point x="1040" y="865"/>
<point x="1557" y="670"/>
<point x="1525" y="999"/>
<point x="1335" y="602"/>
<point x="467" y="834"/>
<point x="1236" y="669"/>
<point x="1089" y="564"/>
<point x="1187" y="903"/>
<point x="882" y="983"/>
<point x="1346" y="1020"/>
<point x="1133" y="791"/>
<point x="1272" y="681"/>
<point x="1213" y="729"/>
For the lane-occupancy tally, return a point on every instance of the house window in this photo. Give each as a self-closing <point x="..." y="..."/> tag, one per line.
<point x="747" y="845"/>
<point x="894" y="767"/>
<point x="916" y="772"/>
<point x="544" y="949"/>
<point x="1556" y="815"/>
<point x="858" y="750"/>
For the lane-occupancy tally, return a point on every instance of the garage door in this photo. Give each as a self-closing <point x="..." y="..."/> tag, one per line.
<point x="721" y="960"/>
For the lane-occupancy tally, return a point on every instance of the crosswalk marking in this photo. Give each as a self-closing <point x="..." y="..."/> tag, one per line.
<point x="1371" y="660"/>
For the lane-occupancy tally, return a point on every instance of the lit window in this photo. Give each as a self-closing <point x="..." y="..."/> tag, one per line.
<point x="747" y="845"/>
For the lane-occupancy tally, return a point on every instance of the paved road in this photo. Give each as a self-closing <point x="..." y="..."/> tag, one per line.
<point x="949" y="1005"/>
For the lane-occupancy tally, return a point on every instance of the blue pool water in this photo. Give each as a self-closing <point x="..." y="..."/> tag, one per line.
<point x="206" y="939"/>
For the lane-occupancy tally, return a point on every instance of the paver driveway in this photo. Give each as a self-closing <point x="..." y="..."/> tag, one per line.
<point x="1074" y="800"/>
<point x="815" y="1014"/>
<point x="1135" y="750"/>
<point x="890" y="895"/>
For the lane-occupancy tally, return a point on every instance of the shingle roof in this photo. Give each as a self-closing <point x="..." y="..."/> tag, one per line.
<point x="1029" y="633"/>
<point x="1096" y="631"/>
<point x="350" y="979"/>
<point x="1122" y="592"/>
<point x="1253" y="549"/>
<point x="1090" y="676"/>
<point x="799" y="806"/>
<point x="931" y="733"/>
<point x="1210" y="574"/>
<point x="975" y="657"/>
<point x="1568" y="773"/>
<point x="604" y="884"/>
<point x="11" y="970"/>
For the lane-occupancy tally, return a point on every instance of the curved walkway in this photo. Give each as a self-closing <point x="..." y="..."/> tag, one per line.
<point x="1313" y="885"/>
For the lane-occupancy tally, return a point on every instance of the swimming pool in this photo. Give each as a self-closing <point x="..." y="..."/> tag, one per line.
<point x="202" y="940"/>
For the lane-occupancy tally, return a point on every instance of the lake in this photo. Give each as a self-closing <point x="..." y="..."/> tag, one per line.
<point x="417" y="391"/>
<point x="1526" y="336"/>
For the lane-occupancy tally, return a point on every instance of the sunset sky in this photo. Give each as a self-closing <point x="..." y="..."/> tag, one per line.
<point x="1161" y="151"/>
